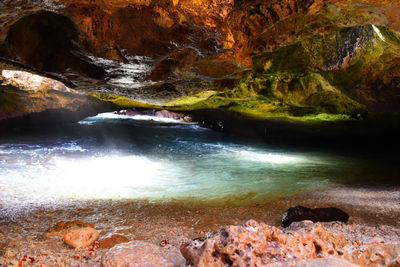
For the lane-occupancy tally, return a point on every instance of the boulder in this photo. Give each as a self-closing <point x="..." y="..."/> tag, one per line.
<point x="257" y="244"/>
<point x="300" y="213"/>
<point x="139" y="253"/>
<point x="81" y="237"/>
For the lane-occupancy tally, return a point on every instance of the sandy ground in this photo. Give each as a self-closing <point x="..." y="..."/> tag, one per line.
<point x="371" y="209"/>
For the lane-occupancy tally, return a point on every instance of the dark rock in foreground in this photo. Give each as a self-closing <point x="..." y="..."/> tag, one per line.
<point x="300" y="213"/>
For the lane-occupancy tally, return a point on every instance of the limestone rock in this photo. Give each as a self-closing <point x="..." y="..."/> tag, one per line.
<point x="81" y="237"/>
<point x="139" y="253"/>
<point x="300" y="213"/>
<point x="113" y="240"/>
<point x="258" y="244"/>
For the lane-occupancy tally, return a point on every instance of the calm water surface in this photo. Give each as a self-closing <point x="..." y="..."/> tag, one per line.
<point x="117" y="157"/>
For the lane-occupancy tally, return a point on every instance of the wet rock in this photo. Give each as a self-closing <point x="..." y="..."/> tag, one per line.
<point x="138" y="253"/>
<point x="172" y="115"/>
<point x="111" y="241"/>
<point x="61" y="228"/>
<point x="300" y="213"/>
<point x="81" y="237"/>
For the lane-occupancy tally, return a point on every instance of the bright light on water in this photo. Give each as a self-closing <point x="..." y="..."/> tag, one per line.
<point x="269" y="157"/>
<point x="123" y="157"/>
<point x="109" y="115"/>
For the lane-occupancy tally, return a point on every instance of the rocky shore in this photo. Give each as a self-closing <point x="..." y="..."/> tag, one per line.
<point x="175" y="234"/>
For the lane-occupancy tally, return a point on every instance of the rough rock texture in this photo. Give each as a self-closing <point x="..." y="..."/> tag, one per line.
<point x="148" y="27"/>
<point x="260" y="58"/>
<point x="81" y="237"/>
<point x="258" y="244"/>
<point x="139" y="253"/>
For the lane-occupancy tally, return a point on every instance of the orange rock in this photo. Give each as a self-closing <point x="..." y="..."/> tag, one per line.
<point x="81" y="237"/>
<point x="258" y="244"/>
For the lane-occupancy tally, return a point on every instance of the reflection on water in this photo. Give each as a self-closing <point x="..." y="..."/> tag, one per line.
<point x="118" y="157"/>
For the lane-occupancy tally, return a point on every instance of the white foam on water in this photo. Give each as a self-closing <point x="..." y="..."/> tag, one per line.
<point x="111" y="115"/>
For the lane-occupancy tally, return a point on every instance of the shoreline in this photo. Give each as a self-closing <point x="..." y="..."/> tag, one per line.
<point x="368" y="206"/>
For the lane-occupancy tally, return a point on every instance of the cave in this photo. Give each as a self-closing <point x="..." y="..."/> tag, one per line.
<point x="199" y="133"/>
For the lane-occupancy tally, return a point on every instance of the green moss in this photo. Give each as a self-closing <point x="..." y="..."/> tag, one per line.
<point x="190" y="100"/>
<point x="326" y="117"/>
<point x="123" y="102"/>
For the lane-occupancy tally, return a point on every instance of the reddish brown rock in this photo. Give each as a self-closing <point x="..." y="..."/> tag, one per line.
<point x="112" y="240"/>
<point x="258" y="244"/>
<point x="48" y="41"/>
<point x="81" y="237"/>
<point x="138" y="253"/>
<point x="187" y="63"/>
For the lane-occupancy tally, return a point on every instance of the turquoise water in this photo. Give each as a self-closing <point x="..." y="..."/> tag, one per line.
<point x="119" y="157"/>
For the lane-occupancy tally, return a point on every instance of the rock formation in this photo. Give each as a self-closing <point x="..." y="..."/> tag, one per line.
<point x="31" y="97"/>
<point x="313" y="60"/>
<point x="257" y="244"/>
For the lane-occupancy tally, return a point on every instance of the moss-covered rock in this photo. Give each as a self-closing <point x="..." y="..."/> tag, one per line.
<point x="321" y="77"/>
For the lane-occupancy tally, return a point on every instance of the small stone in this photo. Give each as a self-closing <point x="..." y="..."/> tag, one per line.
<point x="81" y="238"/>
<point x="10" y="253"/>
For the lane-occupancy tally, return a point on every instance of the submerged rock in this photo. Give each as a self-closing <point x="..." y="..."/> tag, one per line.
<point x="111" y="241"/>
<point x="139" y="253"/>
<point x="300" y="213"/>
<point x="81" y="237"/>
